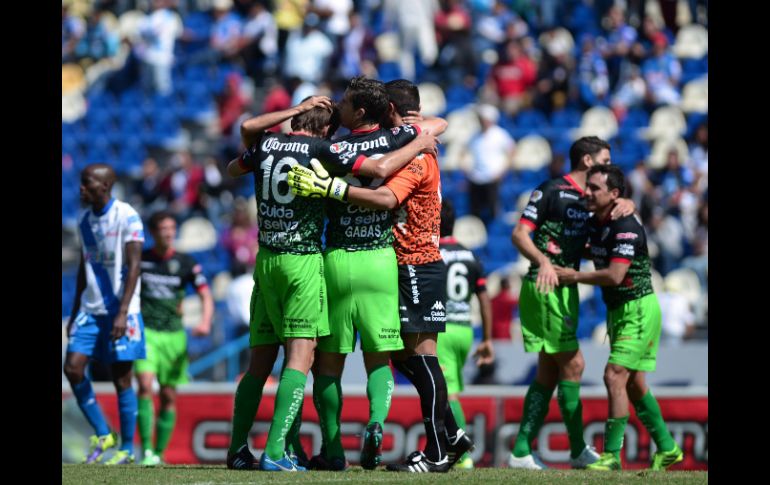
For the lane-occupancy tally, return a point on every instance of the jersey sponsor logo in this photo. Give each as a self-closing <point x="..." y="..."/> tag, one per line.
<point x="437" y="306"/>
<point x="530" y="212"/>
<point x="625" y="249"/>
<point x="626" y="235"/>
<point x="273" y="144"/>
<point x="567" y="195"/>
<point x="359" y="146"/>
<point x="536" y="195"/>
<point x="577" y="214"/>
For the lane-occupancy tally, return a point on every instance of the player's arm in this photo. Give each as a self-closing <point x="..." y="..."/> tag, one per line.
<point x="238" y="167"/>
<point x="485" y="351"/>
<point x="204" y="292"/>
<point x="622" y="208"/>
<point x="612" y="275"/>
<point x="133" y="254"/>
<point x="253" y="128"/>
<point x="380" y="198"/>
<point x="387" y="165"/>
<point x="80" y="287"/>
<point x="546" y="276"/>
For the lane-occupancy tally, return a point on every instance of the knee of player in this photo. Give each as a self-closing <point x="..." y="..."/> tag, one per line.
<point x="614" y="377"/>
<point x="576" y="366"/>
<point x="74" y="372"/>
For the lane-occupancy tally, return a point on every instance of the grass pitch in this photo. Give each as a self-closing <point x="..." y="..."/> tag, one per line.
<point x="219" y="475"/>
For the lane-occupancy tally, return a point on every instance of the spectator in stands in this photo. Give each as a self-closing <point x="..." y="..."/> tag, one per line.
<point x="456" y="58"/>
<point x="149" y="187"/>
<point x="226" y="31"/>
<point x="678" y="320"/>
<point x="259" y="42"/>
<point x="504" y="305"/>
<point x="413" y="21"/>
<point x="491" y="151"/>
<point x="662" y="72"/>
<point x="241" y="239"/>
<point x="511" y="77"/>
<point x="231" y="103"/>
<point x="308" y="52"/>
<point x="73" y="28"/>
<point x="335" y="23"/>
<point x="288" y="15"/>
<point x="101" y="40"/>
<point x="155" y="47"/>
<point x="698" y="160"/>
<point x="630" y="92"/>
<point x="359" y="56"/>
<point x="593" y="80"/>
<point x="184" y="184"/>
<point x="620" y="39"/>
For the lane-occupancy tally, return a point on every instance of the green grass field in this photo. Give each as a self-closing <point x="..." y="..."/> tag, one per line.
<point x="216" y="475"/>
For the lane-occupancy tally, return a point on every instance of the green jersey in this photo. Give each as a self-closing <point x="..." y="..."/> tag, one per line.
<point x="164" y="279"/>
<point x="623" y="240"/>
<point x="557" y="212"/>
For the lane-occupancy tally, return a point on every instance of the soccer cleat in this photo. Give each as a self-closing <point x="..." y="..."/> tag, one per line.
<point x="586" y="457"/>
<point x="283" y="465"/>
<point x="455" y="449"/>
<point x="241" y="459"/>
<point x="465" y="463"/>
<point x="299" y="459"/>
<point x="121" y="457"/>
<point x="606" y="462"/>
<point x="319" y="462"/>
<point x="99" y="445"/>
<point x="664" y="459"/>
<point x="371" y="453"/>
<point x="417" y="463"/>
<point x="150" y="459"/>
<point x="529" y="462"/>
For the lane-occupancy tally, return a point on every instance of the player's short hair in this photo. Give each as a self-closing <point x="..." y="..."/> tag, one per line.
<point x="447" y="218"/>
<point x="615" y="177"/>
<point x="587" y="145"/>
<point x="404" y="95"/>
<point x="370" y="95"/>
<point x="157" y="217"/>
<point x="315" y="120"/>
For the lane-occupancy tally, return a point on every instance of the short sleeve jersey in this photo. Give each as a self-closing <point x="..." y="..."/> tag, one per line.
<point x="624" y="241"/>
<point x="557" y="212"/>
<point x="105" y="235"/>
<point x="417" y="225"/>
<point x="465" y="276"/>
<point x="164" y="280"/>
<point x="352" y="227"/>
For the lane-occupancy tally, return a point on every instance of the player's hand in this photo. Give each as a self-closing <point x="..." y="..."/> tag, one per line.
<point x="622" y="208"/>
<point x="201" y="330"/>
<point x="412" y="117"/>
<point x="316" y="182"/>
<point x="546" y="278"/>
<point x="315" y="101"/>
<point x="485" y="353"/>
<point x="119" y="325"/>
<point x="567" y="276"/>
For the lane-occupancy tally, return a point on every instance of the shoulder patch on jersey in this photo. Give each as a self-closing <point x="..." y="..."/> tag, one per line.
<point x="626" y="235"/>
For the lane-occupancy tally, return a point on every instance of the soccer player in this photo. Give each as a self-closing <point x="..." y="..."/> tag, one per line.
<point x="106" y="323"/>
<point x="289" y="302"/>
<point x="165" y="274"/>
<point x="421" y="285"/>
<point x="465" y="277"/>
<point x="619" y="250"/>
<point x="556" y="215"/>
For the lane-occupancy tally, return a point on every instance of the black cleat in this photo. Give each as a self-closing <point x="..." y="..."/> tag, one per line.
<point x="318" y="462"/>
<point x="241" y="459"/>
<point x="417" y="463"/>
<point x="455" y="449"/>
<point x="371" y="453"/>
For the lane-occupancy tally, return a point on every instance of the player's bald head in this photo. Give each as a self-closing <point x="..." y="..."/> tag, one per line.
<point x="101" y="172"/>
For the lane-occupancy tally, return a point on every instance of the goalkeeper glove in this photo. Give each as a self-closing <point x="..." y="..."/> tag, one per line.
<point x="316" y="182"/>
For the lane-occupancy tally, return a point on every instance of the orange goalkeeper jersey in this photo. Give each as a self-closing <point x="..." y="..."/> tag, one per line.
<point x="417" y="221"/>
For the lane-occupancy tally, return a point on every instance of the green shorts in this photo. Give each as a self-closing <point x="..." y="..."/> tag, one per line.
<point x="289" y="298"/>
<point x="363" y="299"/>
<point x="549" y="321"/>
<point x="453" y="348"/>
<point x="634" y="329"/>
<point x="166" y="357"/>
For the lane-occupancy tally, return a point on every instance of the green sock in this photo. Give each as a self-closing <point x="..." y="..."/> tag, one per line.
<point x="146" y="413"/>
<point x="568" y="396"/>
<point x="164" y="429"/>
<point x="648" y="410"/>
<point x="293" y="444"/>
<point x="327" y="397"/>
<point x="614" y="431"/>
<point x="288" y="398"/>
<point x="379" y="388"/>
<point x="535" y="411"/>
<point x="247" y="398"/>
<point x="457" y="412"/>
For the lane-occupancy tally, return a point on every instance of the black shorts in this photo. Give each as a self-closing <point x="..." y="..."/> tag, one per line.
<point x="422" y="297"/>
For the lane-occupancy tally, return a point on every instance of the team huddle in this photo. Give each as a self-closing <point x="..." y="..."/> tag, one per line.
<point x="356" y="244"/>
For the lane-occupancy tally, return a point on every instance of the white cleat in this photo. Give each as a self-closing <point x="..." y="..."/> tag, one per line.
<point x="586" y="457"/>
<point x="529" y="462"/>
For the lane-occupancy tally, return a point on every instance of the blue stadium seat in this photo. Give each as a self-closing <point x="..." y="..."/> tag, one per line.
<point x="527" y="122"/>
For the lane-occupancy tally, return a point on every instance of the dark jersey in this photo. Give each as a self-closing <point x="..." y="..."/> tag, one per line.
<point x="557" y="213"/>
<point x="287" y="223"/>
<point x="163" y="288"/>
<point x="465" y="276"/>
<point x="350" y="226"/>
<point x="622" y="240"/>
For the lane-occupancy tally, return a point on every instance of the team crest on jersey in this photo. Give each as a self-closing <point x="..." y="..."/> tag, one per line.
<point x="173" y="266"/>
<point x="536" y="195"/>
<point x="395" y="130"/>
<point x="338" y="147"/>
